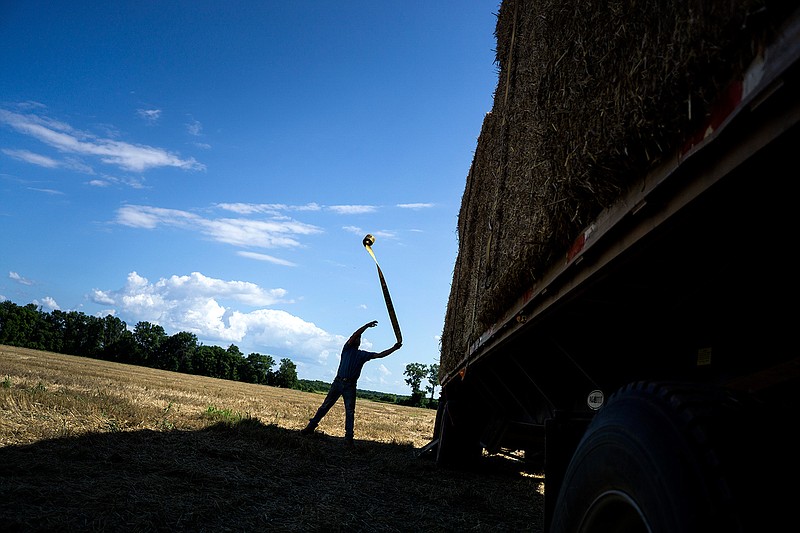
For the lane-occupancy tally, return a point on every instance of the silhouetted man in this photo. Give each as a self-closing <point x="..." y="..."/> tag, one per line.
<point x="350" y="364"/>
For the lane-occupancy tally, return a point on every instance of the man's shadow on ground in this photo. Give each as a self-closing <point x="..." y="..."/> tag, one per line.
<point x="248" y="475"/>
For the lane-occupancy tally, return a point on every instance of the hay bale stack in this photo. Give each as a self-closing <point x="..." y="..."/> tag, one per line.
<point x="590" y="96"/>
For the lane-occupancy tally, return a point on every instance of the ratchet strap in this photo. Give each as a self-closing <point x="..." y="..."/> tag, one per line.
<point x="369" y="240"/>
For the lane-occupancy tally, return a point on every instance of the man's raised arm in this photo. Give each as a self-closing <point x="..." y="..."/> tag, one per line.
<point x="393" y="349"/>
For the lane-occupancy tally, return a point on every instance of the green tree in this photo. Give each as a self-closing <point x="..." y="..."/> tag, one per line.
<point x="286" y="376"/>
<point x="83" y="335"/>
<point x="415" y="373"/>
<point x="148" y="339"/>
<point x="56" y="326"/>
<point x="175" y="353"/>
<point x="204" y="360"/>
<point x="22" y="326"/>
<point x="124" y="349"/>
<point x="432" y="376"/>
<point x="257" y="368"/>
<point x="114" y="337"/>
<point x="229" y="363"/>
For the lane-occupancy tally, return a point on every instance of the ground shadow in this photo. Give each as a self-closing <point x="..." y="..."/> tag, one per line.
<point x="249" y="476"/>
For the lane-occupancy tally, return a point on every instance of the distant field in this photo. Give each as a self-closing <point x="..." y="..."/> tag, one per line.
<point x="87" y="444"/>
<point x="79" y="395"/>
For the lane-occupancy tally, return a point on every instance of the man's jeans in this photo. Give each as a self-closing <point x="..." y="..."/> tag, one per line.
<point x="346" y="388"/>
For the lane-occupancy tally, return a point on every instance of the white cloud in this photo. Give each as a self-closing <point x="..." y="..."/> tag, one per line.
<point x="194" y="128"/>
<point x="383" y="234"/>
<point x="353" y="209"/>
<point x="270" y="209"/>
<point x="46" y="191"/>
<point x="144" y="296"/>
<point x="140" y="216"/>
<point x="47" y="303"/>
<point x="266" y="258"/>
<point x="194" y="303"/>
<point x="149" y="115"/>
<point x="288" y="333"/>
<point x="273" y="209"/>
<point x="235" y="231"/>
<point x="19" y="279"/>
<point x="44" y="161"/>
<point x="415" y="207"/>
<point x="107" y="180"/>
<point x="258" y="233"/>
<point x="32" y="158"/>
<point x="197" y="285"/>
<point x="65" y="139"/>
<point x="101" y="297"/>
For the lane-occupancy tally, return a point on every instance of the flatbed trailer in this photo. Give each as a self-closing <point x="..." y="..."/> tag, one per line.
<point x="652" y="373"/>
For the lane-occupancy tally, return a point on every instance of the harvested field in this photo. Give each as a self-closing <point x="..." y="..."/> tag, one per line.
<point x="89" y="445"/>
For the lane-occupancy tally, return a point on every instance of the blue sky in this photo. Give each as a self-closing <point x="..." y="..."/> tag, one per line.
<point x="212" y="167"/>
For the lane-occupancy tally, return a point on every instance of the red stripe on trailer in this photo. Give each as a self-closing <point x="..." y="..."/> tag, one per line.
<point x="730" y="100"/>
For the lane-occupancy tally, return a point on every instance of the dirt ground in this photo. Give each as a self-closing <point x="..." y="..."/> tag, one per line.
<point x="80" y="451"/>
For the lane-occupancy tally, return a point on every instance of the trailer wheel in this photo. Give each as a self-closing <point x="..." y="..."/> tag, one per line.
<point x="654" y="459"/>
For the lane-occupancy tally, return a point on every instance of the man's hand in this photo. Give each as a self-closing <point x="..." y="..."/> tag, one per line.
<point x="372" y="324"/>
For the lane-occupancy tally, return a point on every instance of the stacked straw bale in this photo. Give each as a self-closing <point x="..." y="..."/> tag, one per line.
<point x="589" y="97"/>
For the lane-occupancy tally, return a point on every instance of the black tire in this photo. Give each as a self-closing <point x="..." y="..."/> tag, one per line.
<point x="657" y="458"/>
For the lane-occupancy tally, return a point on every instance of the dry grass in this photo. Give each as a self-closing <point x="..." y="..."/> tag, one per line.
<point x="88" y="445"/>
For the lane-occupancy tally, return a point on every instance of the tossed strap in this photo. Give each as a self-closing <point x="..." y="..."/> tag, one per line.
<point x="369" y="240"/>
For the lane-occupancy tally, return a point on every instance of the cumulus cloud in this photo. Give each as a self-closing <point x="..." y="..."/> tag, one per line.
<point x="184" y="288"/>
<point x="287" y="333"/>
<point x="196" y="303"/>
<point x="236" y="231"/>
<point x="101" y="297"/>
<point x="67" y="140"/>
<point x="47" y="303"/>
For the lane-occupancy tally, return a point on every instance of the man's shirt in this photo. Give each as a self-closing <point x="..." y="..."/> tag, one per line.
<point x="352" y="361"/>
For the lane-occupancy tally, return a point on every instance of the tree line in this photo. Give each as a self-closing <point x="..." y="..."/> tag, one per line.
<point x="147" y="344"/>
<point x="108" y="338"/>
